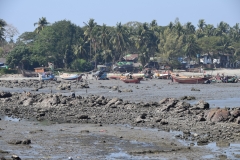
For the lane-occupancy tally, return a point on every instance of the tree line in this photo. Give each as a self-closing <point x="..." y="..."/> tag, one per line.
<point x="81" y="48"/>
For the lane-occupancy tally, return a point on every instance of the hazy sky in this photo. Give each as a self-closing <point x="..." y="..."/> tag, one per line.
<point x="24" y="13"/>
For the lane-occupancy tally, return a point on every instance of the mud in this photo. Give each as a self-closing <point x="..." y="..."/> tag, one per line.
<point x="92" y="130"/>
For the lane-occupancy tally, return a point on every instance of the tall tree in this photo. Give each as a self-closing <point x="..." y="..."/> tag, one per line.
<point x="201" y="27"/>
<point x="105" y="41"/>
<point x="120" y="39"/>
<point x="90" y="25"/>
<point x="79" y="49"/>
<point x="2" y="30"/>
<point x="222" y="28"/>
<point x="42" y="22"/>
<point x="189" y="28"/>
<point x="191" y="47"/>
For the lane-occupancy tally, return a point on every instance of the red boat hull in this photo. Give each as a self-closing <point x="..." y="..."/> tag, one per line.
<point x="190" y="80"/>
<point x="131" y="80"/>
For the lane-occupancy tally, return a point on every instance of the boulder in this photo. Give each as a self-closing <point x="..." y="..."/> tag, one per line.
<point x="201" y="105"/>
<point x="5" y="94"/>
<point x="218" y="115"/>
<point x="28" y="102"/>
<point x="235" y="113"/>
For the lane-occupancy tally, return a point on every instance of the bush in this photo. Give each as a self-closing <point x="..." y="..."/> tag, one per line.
<point x="81" y="65"/>
<point x="8" y="71"/>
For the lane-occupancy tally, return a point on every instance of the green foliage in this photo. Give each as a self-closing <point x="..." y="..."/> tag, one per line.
<point x="81" y="65"/>
<point x="67" y="45"/>
<point x="8" y="71"/>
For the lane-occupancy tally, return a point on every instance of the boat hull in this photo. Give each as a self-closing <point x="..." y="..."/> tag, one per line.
<point x="131" y="80"/>
<point x="66" y="76"/>
<point x="190" y="80"/>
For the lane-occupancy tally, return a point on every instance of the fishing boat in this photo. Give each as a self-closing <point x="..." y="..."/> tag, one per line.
<point x="46" y="76"/>
<point x="128" y="80"/>
<point x="114" y="75"/>
<point x="138" y="76"/>
<point x="67" y="76"/>
<point x="190" y="80"/>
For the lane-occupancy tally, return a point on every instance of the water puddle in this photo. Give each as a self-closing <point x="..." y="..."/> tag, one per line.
<point x="230" y="150"/>
<point x="221" y="103"/>
<point x="7" y="118"/>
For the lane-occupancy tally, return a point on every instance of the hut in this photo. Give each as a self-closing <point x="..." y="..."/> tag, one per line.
<point x="41" y="69"/>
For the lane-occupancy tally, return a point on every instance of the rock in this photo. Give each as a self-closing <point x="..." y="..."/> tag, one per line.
<point x="26" y="141"/>
<point x="158" y="119"/>
<point x="168" y="103"/>
<point x="201" y="105"/>
<point x="235" y="113"/>
<point x="194" y="89"/>
<point x="163" y="122"/>
<point x="238" y="120"/>
<point x="112" y="101"/>
<point x="15" y="157"/>
<point x="187" y="98"/>
<point x="202" y="141"/>
<point x="5" y="94"/>
<point x="143" y="116"/>
<point x="14" y="142"/>
<point x="28" y="102"/>
<point x="127" y="90"/>
<point x="114" y="88"/>
<point x="82" y="117"/>
<point x="139" y="119"/>
<point x="84" y="131"/>
<point x="218" y="115"/>
<point x="3" y="158"/>
<point x="222" y="144"/>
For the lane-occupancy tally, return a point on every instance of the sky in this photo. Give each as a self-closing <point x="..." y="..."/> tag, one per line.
<point x="22" y="14"/>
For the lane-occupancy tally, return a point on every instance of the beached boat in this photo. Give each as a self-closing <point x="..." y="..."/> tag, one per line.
<point x="67" y="76"/>
<point x="138" y="76"/>
<point x="136" y="80"/>
<point x="29" y="73"/>
<point x="114" y="75"/>
<point x="190" y="80"/>
<point x="47" y="76"/>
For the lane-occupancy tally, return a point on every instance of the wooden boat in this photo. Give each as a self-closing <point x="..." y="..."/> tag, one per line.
<point x="67" y="76"/>
<point x="131" y="80"/>
<point x="29" y="73"/>
<point x="47" y="76"/>
<point x="134" y="76"/>
<point x="162" y="74"/>
<point x="190" y="80"/>
<point x="114" y="75"/>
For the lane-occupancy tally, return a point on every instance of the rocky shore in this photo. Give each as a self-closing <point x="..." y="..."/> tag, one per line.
<point x="198" y="122"/>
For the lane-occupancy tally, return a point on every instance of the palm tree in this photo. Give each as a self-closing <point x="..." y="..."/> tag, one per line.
<point x="235" y="32"/>
<point x="209" y="30"/>
<point x="223" y="28"/>
<point x="42" y="22"/>
<point x="179" y="29"/>
<point x="104" y="39"/>
<point x="88" y="32"/>
<point x="79" y="49"/>
<point x="201" y="28"/>
<point x="2" y="30"/>
<point x="120" y="39"/>
<point x="191" y="46"/>
<point x="201" y="25"/>
<point x="189" y="28"/>
<point x="171" y="26"/>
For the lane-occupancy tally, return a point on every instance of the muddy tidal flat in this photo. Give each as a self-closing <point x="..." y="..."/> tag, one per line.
<point x="109" y="119"/>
